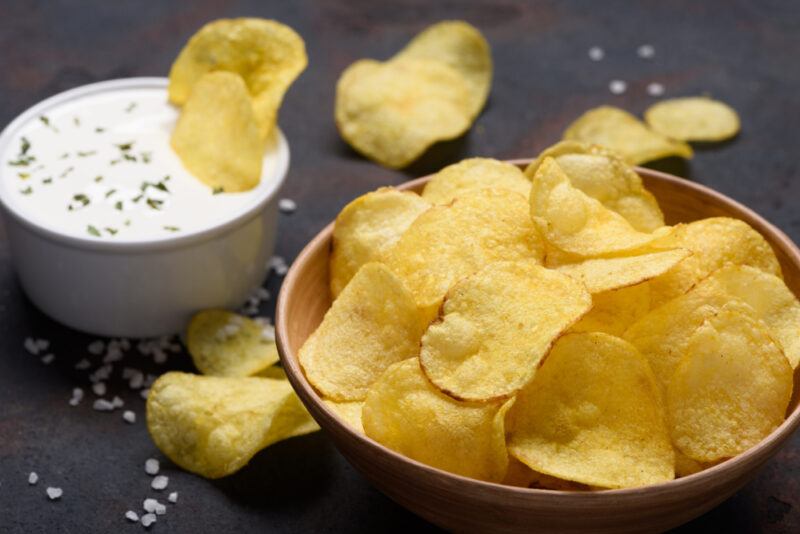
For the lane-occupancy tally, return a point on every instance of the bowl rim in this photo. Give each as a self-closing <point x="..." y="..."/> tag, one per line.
<point x="298" y="380"/>
<point x="276" y="177"/>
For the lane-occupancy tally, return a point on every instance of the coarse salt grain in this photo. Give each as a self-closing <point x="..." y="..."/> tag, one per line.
<point x="116" y="402"/>
<point x="31" y="346"/>
<point x="96" y="347"/>
<point x="278" y="264"/>
<point x="33" y="478"/>
<point x="268" y="333"/>
<point x="132" y="516"/>
<point x="617" y="87"/>
<point x="646" y="51"/>
<point x="161" y="509"/>
<point x="159" y="483"/>
<point x="54" y="493"/>
<point x="47" y="359"/>
<point x="136" y="380"/>
<point x="151" y="466"/>
<point x="42" y="344"/>
<point x="149" y="505"/>
<point x="143" y="393"/>
<point x="83" y="364"/>
<point x="596" y="53"/>
<point x="655" y="89"/>
<point x="287" y="205"/>
<point x="99" y="388"/>
<point x="129" y="416"/>
<point x="148" y="519"/>
<point x="77" y="397"/>
<point x="173" y="497"/>
<point x="102" y="405"/>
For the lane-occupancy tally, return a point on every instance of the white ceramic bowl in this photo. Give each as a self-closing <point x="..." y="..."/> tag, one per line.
<point x="142" y="288"/>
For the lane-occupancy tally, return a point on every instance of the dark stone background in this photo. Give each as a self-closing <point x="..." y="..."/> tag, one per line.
<point x="745" y="53"/>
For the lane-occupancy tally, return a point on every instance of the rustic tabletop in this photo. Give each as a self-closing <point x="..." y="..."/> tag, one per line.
<point x="742" y="52"/>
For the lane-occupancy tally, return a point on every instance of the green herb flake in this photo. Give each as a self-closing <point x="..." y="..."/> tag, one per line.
<point x="147" y="157"/>
<point x="46" y="121"/>
<point x="172" y="229"/>
<point x="127" y="222"/>
<point x="110" y="192"/>
<point x="218" y="190"/>
<point x="125" y="146"/>
<point x="47" y="181"/>
<point x="154" y="203"/>
<point x="76" y="121"/>
<point x="93" y="231"/>
<point x="65" y="155"/>
<point x="27" y="191"/>
<point x="118" y="205"/>
<point x="130" y="107"/>
<point x="110" y="230"/>
<point x="24" y="175"/>
<point x="86" y="154"/>
<point x="79" y="201"/>
<point x="98" y="179"/>
<point x="99" y="130"/>
<point x="66" y="172"/>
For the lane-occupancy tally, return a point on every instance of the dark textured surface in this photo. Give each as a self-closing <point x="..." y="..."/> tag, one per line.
<point x="742" y="52"/>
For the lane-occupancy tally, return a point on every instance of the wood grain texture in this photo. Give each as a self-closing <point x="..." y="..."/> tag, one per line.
<point x="465" y="505"/>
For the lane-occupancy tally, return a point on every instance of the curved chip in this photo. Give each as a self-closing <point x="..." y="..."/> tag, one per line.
<point x="602" y="175"/>
<point x="626" y="135"/>
<point x="462" y="47"/>
<point x="592" y="414"/>
<point x="268" y="56"/>
<point x="696" y="118"/>
<point x="405" y="413"/>
<point x="471" y="174"/>
<point x="731" y="389"/>
<point x="373" y="324"/>
<point x="367" y="228"/>
<point x="223" y="343"/>
<point x="447" y="243"/>
<point x="495" y="327"/>
<point x="604" y="274"/>
<point x="217" y="136"/>
<point x="615" y="310"/>
<point x="392" y="112"/>
<point x="213" y="426"/>
<point x="713" y="243"/>
<point x="349" y="412"/>
<point x="577" y="223"/>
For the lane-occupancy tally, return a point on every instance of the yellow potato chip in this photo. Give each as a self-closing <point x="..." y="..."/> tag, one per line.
<point x="223" y="343"/>
<point x="770" y="300"/>
<point x="685" y="466"/>
<point x="626" y="135"/>
<point x="713" y="243"/>
<point x="519" y="474"/>
<point x="349" y="412"/>
<point x="602" y="175"/>
<point x="462" y="47"/>
<point x="615" y="310"/>
<point x="212" y="426"/>
<point x="495" y="327"/>
<point x="273" y="371"/>
<point x="695" y="118"/>
<point x="392" y="112"/>
<point x="593" y="414"/>
<point x="577" y="223"/>
<point x="604" y="274"/>
<point x="730" y="390"/>
<point x="217" y="135"/>
<point x="373" y="324"/>
<point x="268" y="56"/>
<point x="405" y="413"/>
<point x="367" y="228"/>
<point x="447" y="243"/>
<point x="471" y="174"/>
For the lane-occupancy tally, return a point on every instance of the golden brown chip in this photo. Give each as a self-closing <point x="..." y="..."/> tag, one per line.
<point x="217" y="135"/>
<point x="267" y="55"/>
<point x="713" y="243"/>
<point x="349" y="412"/>
<point x="695" y="118"/>
<point x="602" y="175"/>
<point x="223" y="343"/>
<point x="730" y="390"/>
<point x="447" y="243"/>
<point x="373" y="324"/>
<point x="592" y="414"/>
<point x="626" y="135"/>
<point x="471" y="174"/>
<point x="392" y="112"/>
<point x="495" y="327"/>
<point x="462" y="47"/>
<point x="405" y="413"/>
<point x="367" y="228"/>
<point x="577" y="223"/>
<point x="212" y="426"/>
<point x="615" y="310"/>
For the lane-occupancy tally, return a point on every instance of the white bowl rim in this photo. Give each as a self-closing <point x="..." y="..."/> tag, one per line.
<point x="201" y="233"/>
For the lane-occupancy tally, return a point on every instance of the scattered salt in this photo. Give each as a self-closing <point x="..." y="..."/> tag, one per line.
<point x="646" y="51"/>
<point x="132" y="516"/>
<point x="149" y="505"/>
<point x="99" y="388"/>
<point x="151" y="466"/>
<point x="173" y="497"/>
<point x="159" y="483"/>
<point x="268" y="333"/>
<point x="136" y="380"/>
<point x="54" y="493"/>
<point x="42" y="344"/>
<point x="655" y="89"/>
<point x="148" y="519"/>
<point x="116" y="402"/>
<point x="33" y="478"/>
<point x="83" y="364"/>
<point x="596" y="53"/>
<point x="47" y="359"/>
<point x="129" y="416"/>
<point x="96" y="347"/>
<point x="31" y="346"/>
<point x="278" y="264"/>
<point x="617" y="87"/>
<point x="77" y="397"/>
<point x="102" y="405"/>
<point x="161" y="509"/>
<point x="287" y="205"/>
<point x="143" y="393"/>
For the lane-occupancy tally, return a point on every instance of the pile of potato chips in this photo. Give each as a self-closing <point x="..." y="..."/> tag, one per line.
<point x="432" y="90"/>
<point x="547" y="329"/>
<point x="213" y="424"/>
<point x="669" y="125"/>
<point x="230" y="79"/>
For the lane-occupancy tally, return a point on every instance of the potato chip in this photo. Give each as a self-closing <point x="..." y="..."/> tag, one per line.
<point x="373" y="324"/>
<point x="602" y="175"/>
<point x="604" y="274"/>
<point x="695" y="118"/>
<point x="462" y="47"/>
<point x="392" y="112"/>
<point x="447" y="243"/>
<point x="577" y="223"/>
<point x="519" y="474"/>
<point x="268" y="56"/>
<point x="212" y="426"/>
<point x="471" y="174"/>
<point x="273" y="371"/>
<point x="685" y="466"/>
<point x="495" y="327"/>
<point x="349" y="412"/>
<point x="405" y="413"/>
<point x="730" y="390"/>
<point x="713" y="243"/>
<point x="593" y="414"/>
<point x="223" y="343"/>
<point x="770" y="300"/>
<point x="615" y="310"/>
<point x="217" y="135"/>
<point x="367" y="228"/>
<point x="626" y="135"/>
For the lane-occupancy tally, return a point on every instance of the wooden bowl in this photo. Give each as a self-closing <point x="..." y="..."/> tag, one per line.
<point x="463" y="504"/>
